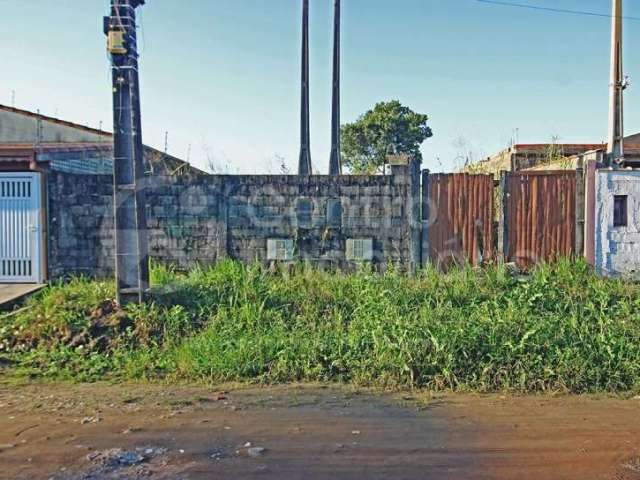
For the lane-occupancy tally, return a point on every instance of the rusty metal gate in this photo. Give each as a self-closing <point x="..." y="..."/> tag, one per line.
<point x="458" y="218"/>
<point x="539" y="216"/>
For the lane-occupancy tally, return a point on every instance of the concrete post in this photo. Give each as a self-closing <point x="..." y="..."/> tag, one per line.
<point x="426" y="218"/>
<point x="335" y="162"/>
<point x="414" y="214"/>
<point x="503" y="225"/>
<point x="132" y="257"/>
<point x="406" y="173"/>
<point x="304" y="163"/>
<point x="580" y="209"/>
<point x="615" y="146"/>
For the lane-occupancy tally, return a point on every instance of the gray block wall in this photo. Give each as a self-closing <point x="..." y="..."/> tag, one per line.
<point x="617" y="248"/>
<point x="80" y="225"/>
<point x="198" y="221"/>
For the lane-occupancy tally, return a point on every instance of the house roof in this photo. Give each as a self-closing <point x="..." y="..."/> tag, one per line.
<point x="173" y="163"/>
<point x="632" y="145"/>
<point x="58" y="121"/>
<point x="633" y="138"/>
<point x="57" y="147"/>
<point x="583" y="147"/>
<point x="530" y="155"/>
<point x="16" y="154"/>
<point x="632" y="142"/>
<point x="46" y="152"/>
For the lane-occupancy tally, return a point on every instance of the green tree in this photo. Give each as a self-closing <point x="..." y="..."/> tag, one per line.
<point x="389" y="128"/>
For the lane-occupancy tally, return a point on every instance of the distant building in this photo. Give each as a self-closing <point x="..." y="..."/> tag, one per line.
<point x="633" y="139"/>
<point x="37" y="142"/>
<point x="44" y="162"/>
<point x="548" y="156"/>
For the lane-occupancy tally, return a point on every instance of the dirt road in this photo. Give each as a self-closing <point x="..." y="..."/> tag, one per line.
<point x="309" y="432"/>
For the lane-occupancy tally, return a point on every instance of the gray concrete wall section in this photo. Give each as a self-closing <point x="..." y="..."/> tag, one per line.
<point x="617" y="247"/>
<point x="198" y="221"/>
<point x="80" y="225"/>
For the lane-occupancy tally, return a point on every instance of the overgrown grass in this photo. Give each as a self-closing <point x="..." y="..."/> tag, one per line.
<point x="562" y="329"/>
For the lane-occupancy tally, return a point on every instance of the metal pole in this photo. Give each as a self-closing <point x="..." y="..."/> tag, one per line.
<point x="615" y="147"/>
<point x="304" y="163"/>
<point x="132" y="258"/>
<point x="335" y="162"/>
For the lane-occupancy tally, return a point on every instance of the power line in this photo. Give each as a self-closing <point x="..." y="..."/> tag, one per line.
<point x="551" y="9"/>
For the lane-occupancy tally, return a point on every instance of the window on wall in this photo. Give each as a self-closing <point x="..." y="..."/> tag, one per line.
<point x="620" y="210"/>
<point x="280" y="249"/>
<point x="359" y="249"/>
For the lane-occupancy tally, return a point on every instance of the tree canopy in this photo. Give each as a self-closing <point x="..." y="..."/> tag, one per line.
<point x="389" y="128"/>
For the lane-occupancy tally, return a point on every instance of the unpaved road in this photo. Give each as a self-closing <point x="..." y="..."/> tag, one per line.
<point x="101" y="431"/>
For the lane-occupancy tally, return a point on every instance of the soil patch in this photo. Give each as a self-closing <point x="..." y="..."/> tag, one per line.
<point x="100" y="431"/>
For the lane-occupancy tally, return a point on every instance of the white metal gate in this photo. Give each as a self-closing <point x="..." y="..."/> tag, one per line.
<point x="20" y="228"/>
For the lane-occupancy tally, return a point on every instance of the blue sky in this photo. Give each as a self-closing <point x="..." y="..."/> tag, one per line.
<point x="222" y="76"/>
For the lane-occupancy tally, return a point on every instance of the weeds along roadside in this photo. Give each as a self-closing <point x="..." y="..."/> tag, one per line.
<point x="561" y="328"/>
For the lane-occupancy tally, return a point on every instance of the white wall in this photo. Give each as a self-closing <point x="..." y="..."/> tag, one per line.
<point x="20" y="128"/>
<point x="617" y="250"/>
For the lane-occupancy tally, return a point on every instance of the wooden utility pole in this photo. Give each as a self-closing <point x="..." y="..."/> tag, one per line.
<point x="615" y="147"/>
<point x="132" y="256"/>
<point x="335" y="163"/>
<point x="304" y="163"/>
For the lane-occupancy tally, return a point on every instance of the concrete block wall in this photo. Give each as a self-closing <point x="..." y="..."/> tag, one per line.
<point x="80" y="225"/>
<point x="263" y="207"/>
<point x="185" y="220"/>
<point x="617" y="249"/>
<point x="194" y="221"/>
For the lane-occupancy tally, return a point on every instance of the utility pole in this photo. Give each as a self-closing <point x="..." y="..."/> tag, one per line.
<point x="304" y="164"/>
<point x="335" y="162"/>
<point x="615" y="147"/>
<point x="132" y="257"/>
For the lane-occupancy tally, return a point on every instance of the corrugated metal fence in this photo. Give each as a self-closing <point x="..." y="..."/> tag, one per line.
<point x="528" y="218"/>
<point x="458" y="218"/>
<point x="539" y="216"/>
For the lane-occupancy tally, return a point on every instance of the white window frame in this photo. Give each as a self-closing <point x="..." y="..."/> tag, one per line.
<point x="359" y="249"/>
<point x="280" y="249"/>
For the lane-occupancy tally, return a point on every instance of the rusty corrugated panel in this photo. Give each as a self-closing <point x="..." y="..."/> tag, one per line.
<point x="460" y="223"/>
<point x="540" y="216"/>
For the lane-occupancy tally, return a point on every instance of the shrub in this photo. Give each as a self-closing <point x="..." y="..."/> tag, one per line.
<point x="560" y="328"/>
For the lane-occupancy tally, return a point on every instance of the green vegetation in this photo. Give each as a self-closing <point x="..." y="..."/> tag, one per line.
<point x="561" y="328"/>
<point x="388" y="128"/>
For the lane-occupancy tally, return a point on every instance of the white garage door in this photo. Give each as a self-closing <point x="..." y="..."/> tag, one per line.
<point x="20" y="228"/>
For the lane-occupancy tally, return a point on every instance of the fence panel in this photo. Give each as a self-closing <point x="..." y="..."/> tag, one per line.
<point x="458" y="214"/>
<point x="539" y="216"/>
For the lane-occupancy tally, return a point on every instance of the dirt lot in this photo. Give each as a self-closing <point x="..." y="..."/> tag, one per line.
<point x="309" y="432"/>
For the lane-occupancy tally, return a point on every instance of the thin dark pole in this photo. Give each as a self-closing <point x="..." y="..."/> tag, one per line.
<point x="132" y="257"/>
<point x="304" y="164"/>
<point x="335" y="163"/>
